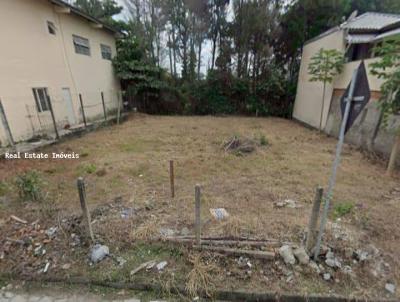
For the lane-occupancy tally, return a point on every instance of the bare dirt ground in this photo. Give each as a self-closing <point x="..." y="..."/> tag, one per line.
<point x="126" y="171"/>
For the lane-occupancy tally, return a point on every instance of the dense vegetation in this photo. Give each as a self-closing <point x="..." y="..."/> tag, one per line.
<point x="218" y="56"/>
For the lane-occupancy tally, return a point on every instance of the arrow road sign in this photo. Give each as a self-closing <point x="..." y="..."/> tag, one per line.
<point x="361" y="96"/>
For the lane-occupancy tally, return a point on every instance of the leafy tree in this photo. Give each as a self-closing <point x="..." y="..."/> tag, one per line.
<point x="387" y="68"/>
<point x="100" y="9"/>
<point x="324" y="66"/>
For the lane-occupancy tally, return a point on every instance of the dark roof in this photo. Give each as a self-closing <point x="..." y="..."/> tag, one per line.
<point x="372" y="22"/>
<point x="369" y="22"/>
<point x="84" y="15"/>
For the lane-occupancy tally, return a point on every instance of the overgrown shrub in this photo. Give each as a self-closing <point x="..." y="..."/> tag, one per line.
<point x="342" y="209"/>
<point x="29" y="185"/>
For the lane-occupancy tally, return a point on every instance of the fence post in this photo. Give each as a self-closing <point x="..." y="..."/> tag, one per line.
<point x="104" y="106"/>
<point x="85" y="210"/>
<point x="119" y="96"/>
<point x="312" y="225"/>
<point x="197" y="214"/>
<point x="171" y="177"/>
<point x="6" y="125"/>
<point x="52" y="117"/>
<point x="83" y="110"/>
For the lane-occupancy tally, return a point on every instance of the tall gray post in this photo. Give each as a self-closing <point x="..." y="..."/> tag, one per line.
<point x="332" y="180"/>
<point x="4" y="121"/>
<point x="85" y="210"/>
<point x="53" y="117"/>
<point x="197" y="214"/>
<point x="312" y="225"/>
<point x="83" y="110"/>
<point x="104" y="106"/>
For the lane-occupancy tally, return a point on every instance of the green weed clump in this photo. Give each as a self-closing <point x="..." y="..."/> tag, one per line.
<point x="342" y="209"/>
<point x="263" y="140"/>
<point x="29" y="185"/>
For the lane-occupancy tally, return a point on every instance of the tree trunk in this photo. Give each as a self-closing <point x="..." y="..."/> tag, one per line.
<point x="174" y="50"/>
<point x="214" y="46"/>
<point x="199" y="60"/>
<point x="170" y="55"/>
<point x="322" y="107"/>
<point x="394" y="154"/>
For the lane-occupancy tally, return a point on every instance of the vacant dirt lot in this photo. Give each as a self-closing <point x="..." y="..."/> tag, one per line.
<point x="129" y="165"/>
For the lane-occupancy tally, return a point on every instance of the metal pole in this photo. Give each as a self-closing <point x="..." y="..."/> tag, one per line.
<point x="336" y="163"/>
<point x="85" y="210"/>
<point x="171" y="177"/>
<point x="52" y="117"/>
<point x="197" y="214"/>
<point x="6" y="125"/>
<point x="104" y="106"/>
<point x="83" y="110"/>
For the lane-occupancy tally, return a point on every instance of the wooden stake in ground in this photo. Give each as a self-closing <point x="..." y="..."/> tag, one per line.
<point x="171" y="178"/>
<point x="197" y="214"/>
<point x="394" y="154"/>
<point x="119" y="96"/>
<point x="312" y="225"/>
<point x="85" y="210"/>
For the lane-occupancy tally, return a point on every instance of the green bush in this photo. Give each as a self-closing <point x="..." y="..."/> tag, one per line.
<point x="29" y="185"/>
<point x="342" y="209"/>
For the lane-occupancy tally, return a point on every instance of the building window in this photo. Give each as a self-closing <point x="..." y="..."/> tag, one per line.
<point x="41" y="99"/>
<point x="360" y="51"/>
<point x="81" y="45"/>
<point x="51" y="27"/>
<point x="105" y="52"/>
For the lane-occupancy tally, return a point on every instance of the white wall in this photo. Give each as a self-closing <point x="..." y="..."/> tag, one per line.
<point x="308" y="104"/>
<point x="31" y="57"/>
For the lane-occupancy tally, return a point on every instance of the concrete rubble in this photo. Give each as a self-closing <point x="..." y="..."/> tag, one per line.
<point x="286" y="253"/>
<point x="99" y="252"/>
<point x="301" y="255"/>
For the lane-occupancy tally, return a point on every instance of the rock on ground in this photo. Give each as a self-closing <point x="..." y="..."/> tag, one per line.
<point x="287" y="254"/>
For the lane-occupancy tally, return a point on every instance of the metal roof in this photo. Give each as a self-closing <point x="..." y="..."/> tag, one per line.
<point x="84" y="15"/>
<point x="372" y="22"/>
<point x="358" y="39"/>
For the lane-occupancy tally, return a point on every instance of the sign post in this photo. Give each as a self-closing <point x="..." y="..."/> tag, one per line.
<point x="351" y="107"/>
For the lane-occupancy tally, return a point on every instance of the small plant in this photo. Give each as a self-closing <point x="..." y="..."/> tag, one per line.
<point x="29" y="185"/>
<point x="263" y="140"/>
<point x="342" y="209"/>
<point x="3" y="188"/>
<point x="87" y="168"/>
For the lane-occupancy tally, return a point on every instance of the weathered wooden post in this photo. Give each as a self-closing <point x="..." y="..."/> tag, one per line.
<point x="6" y="125"/>
<point x="83" y="110"/>
<point x="197" y="214"/>
<point x="171" y="178"/>
<point x="85" y="210"/>
<point x="119" y="96"/>
<point x="104" y="106"/>
<point x="312" y="225"/>
<point x="53" y="117"/>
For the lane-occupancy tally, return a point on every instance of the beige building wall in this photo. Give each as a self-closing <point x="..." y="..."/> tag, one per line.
<point x="308" y="104"/>
<point x="32" y="58"/>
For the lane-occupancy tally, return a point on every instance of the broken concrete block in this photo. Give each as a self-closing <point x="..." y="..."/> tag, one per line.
<point x="287" y="254"/>
<point x="99" y="252"/>
<point x="301" y="255"/>
<point x="390" y="287"/>
<point x="160" y="266"/>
